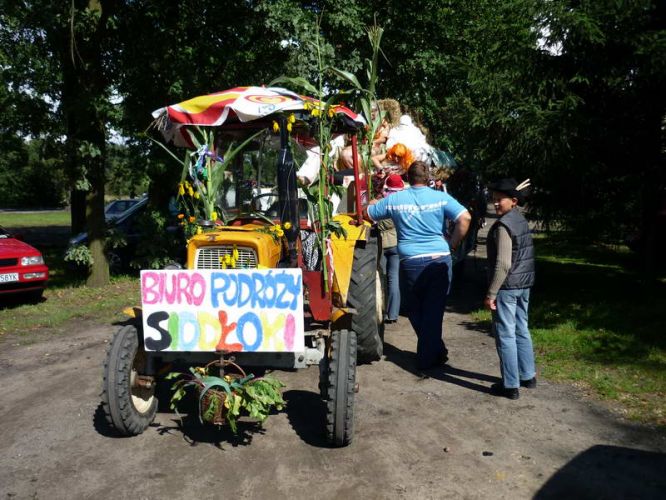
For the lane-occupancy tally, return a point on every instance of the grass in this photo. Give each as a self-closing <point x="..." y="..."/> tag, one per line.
<point x="68" y="304"/>
<point x="13" y="220"/>
<point x="596" y="323"/>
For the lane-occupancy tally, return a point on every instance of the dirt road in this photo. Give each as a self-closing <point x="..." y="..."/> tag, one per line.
<point x="441" y="437"/>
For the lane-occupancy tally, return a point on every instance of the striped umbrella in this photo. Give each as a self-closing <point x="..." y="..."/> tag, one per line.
<point x="242" y="104"/>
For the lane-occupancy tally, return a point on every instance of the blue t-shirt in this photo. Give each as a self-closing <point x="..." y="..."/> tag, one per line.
<point x="419" y="214"/>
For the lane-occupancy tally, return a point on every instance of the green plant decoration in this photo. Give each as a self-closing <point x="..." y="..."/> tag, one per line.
<point x="367" y="97"/>
<point x="227" y="398"/>
<point x="322" y="117"/>
<point x="203" y="178"/>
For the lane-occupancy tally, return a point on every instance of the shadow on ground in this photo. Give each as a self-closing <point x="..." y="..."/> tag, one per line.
<point x="609" y="472"/>
<point x="474" y="381"/>
<point x="307" y="415"/>
<point x="195" y="433"/>
<point x="305" y="411"/>
<point x="191" y="429"/>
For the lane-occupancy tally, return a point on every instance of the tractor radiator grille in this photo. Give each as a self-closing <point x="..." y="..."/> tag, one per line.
<point x="209" y="257"/>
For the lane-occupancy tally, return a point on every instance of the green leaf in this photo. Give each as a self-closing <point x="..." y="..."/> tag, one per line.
<point x="210" y="381"/>
<point x="347" y="76"/>
<point x="165" y="149"/>
<point x="297" y="81"/>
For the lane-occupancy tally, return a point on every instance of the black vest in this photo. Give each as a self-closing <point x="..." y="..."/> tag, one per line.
<point x="521" y="273"/>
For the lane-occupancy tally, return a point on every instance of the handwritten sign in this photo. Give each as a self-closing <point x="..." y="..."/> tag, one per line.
<point x="256" y="310"/>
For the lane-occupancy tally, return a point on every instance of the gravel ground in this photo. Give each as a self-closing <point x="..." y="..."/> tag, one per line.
<point x="439" y="437"/>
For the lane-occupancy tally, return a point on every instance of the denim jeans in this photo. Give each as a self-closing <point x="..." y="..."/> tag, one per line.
<point x="425" y="283"/>
<point x="391" y="264"/>
<point x="512" y="337"/>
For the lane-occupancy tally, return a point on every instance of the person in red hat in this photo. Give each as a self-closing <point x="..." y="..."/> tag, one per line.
<point x="393" y="184"/>
<point x="391" y="260"/>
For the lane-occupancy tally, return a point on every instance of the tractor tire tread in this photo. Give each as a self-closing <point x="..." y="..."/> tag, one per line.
<point x="362" y="296"/>
<point x="340" y="384"/>
<point x="119" y="411"/>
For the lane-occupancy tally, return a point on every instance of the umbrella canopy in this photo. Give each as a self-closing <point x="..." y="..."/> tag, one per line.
<point x="240" y="104"/>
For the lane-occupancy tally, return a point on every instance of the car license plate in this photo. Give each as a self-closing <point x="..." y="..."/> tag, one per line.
<point x="8" y="277"/>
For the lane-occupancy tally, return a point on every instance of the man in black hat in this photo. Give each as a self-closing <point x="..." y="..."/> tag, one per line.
<point x="511" y="275"/>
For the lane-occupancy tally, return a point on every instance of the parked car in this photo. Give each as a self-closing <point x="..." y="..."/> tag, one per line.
<point x="126" y="226"/>
<point x="115" y="208"/>
<point x="22" y="268"/>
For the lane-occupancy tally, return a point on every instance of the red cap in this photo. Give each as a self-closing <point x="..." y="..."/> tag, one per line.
<point x="394" y="183"/>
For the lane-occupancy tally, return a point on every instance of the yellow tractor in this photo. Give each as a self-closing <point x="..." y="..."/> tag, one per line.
<point x="271" y="286"/>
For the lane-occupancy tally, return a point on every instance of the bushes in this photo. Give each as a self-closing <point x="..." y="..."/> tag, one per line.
<point x="29" y="176"/>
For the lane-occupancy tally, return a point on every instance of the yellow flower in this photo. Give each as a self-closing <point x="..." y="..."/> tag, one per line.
<point x="292" y="118"/>
<point x="276" y="127"/>
<point x="289" y="127"/>
<point x="235" y="253"/>
<point x="197" y="195"/>
<point x="280" y="233"/>
<point x="199" y="230"/>
<point x="306" y="105"/>
<point x="331" y="112"/>
<point x="227" y="259"/>
<point x="190" y="191"/>
<point x="315" y="112"/>
<point x="287" y="225"/>
<point x="181" y="189"/>
<point x="213" y="216"/>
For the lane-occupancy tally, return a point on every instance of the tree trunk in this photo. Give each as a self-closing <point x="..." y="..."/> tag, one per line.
<point x="84" y="89"/>
<point x="77" y="209"/>
<point x="99" y="272"/>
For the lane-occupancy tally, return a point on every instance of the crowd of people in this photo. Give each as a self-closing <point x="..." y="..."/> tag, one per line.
<point x="419" y="269"/>
<point x="421" y="224"/>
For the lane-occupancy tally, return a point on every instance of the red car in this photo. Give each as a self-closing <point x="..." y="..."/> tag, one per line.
<point x="22" y="268"/>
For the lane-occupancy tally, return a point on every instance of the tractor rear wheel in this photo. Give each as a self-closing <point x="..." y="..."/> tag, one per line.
<point x="338" y="387"/>
<point x="363" y="297"/>
<point x="129" y="404"/>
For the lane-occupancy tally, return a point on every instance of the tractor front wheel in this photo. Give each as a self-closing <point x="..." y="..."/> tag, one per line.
<point x="363" y="296"/>
<point x="128" y="400"/>
<point x="338" y="387"/>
